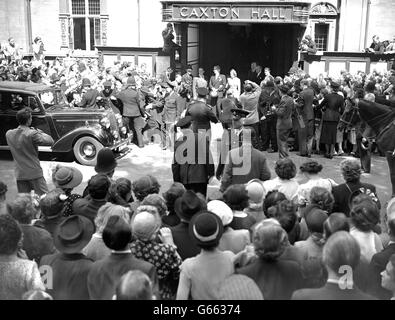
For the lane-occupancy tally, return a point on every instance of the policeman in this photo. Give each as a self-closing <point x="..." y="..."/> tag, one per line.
<point x="108" y="100"/>
<point x="232" y="138"/>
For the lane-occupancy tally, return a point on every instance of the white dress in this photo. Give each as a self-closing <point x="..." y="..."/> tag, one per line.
<point x="234" y="85"/>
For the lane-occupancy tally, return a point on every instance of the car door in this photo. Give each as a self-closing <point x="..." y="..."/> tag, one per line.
<point x="10" y="103"/>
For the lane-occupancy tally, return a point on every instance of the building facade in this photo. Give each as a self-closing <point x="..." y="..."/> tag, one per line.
<point x="225" y="32"/>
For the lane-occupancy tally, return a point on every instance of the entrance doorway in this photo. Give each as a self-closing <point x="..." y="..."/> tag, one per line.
<point x="79" y="33"/>
<point x="236" y="46"/>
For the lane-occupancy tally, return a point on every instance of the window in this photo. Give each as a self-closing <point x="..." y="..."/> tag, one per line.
<point x="321" y="36"/>
<point x="86" y="31"/>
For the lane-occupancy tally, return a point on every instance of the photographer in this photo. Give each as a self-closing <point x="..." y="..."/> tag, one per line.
<point x="168" y="39"/>
<point x="23" y="142"/>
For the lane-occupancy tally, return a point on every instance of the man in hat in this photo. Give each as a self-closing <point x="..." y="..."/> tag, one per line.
<point x="89" y="96"/>
<point x="23" y="142"/>
<point x="69" y="267"/>
<point x="186" y="207"/>
<point x="267" y="117"/>
<point x="304" y="108"/>
<point x="108" y="100"/>
<point x="244" y="164"/>
<point x="187" y="81"/>
<point x="88" y="207"/>
<point x="200" y="112"/>
<point x="284" y="121"/>
<point x="193" y="165"/>
<point x="133" y="109"/>
<point x="232" y="138"/>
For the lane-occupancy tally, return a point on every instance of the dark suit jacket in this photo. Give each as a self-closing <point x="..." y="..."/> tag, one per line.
<point x="201" y="115"/>
<point x="251" y="164"/>
<point x="106" y="273"/>
<point x="277" y="280"/>
<point x="306" y="107"/>
<point x="252" y="76"/>
<point x="333" y="105"/>
<point x="284" y="113"/>
<point x="70" y="273"/>
<point x="259" y="78"/>
<point x="23" y="142"/>
<point x="218" y="83"/>
<point x="331" y="291"/>
<point x="268" y="98"/>
<point x="37" y="242"/>
<point x="133" y="103"/>
<point x="377" y="265"/>
<point x="186" y="247"/>
<point x="173" y="108"/>
<point x="89" y="99"/>
<point x="342" y="195"/>
<point x="192" y="162"/>
<point x="88" y="207"/>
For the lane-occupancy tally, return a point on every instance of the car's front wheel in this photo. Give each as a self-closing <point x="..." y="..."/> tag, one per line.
<point x="86" y="150"/>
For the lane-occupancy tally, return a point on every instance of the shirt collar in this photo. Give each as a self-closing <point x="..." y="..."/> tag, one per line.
<point x="338" y="282"/>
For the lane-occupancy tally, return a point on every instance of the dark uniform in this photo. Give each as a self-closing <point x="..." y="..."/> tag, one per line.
<point x="305" y="110"/>
<point x="284" y="124"/>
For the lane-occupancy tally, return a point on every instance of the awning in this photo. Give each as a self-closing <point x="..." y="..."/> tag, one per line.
<point x="236" y="11"/>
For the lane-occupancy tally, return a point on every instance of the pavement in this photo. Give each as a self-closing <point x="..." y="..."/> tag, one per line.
<point x="153" y="160"/>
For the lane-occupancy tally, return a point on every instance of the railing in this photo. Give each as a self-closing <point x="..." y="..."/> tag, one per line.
<point x="332" y="63"/>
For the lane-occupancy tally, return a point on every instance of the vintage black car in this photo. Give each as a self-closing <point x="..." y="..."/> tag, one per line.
<point x="78" y="131"/>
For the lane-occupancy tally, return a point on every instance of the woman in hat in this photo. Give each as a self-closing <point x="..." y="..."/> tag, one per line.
<point x="276" y="278"/>
<point x="231" y="240"/>
<point x="156" y="246"/>
<point x="201" y="276"/>
<point x="332" y="107"/>
<point x="67" y="178"/>
<point x="17" y="276"/>
<point x="51" y="205"/>
<point x="96" y="249"/>
<point x="236" y="197"/>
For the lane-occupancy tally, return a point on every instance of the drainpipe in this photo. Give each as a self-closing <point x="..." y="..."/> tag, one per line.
<point x="367" y="22"/>
<point x="29" y="39"/>
<point x="138" y="22"/>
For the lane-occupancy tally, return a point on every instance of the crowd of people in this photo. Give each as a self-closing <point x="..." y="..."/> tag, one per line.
<point x="258" y="237"/>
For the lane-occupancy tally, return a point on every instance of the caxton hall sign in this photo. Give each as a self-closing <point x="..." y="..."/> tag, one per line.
<point x="226" y="12"/>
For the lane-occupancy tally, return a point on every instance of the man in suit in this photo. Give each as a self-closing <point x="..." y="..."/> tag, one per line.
<point x="244" y="164"/>
<point x="232" y="138"/>
<point x="133" y="109"/>
<point x="284" y="121"/>
<point x="200" y="112"/>
<point x="106" y="273"/>
<point x="90" y="95"/>
<point x="193" y="165"/>
<point x="252" y="73"/>
<point x="340" y="250"/>
<point x="378" y="264"/>
<point x="186" y="207"/>
<point x="23" y="142"/>
<point x="69" y="267"/>
<point x="305" y="112"/>
<point x="260" y="76"/>
<point x="268" y="118"/>
<point x="187" y="81"/>
<point x="217" y="86"/>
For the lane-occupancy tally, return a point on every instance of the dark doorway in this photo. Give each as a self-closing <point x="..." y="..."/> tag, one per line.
<point x="236" y="46"/>
<point x="79" y="33"/>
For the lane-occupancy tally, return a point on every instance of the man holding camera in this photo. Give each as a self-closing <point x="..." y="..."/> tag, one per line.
<point x="23" y="142"/>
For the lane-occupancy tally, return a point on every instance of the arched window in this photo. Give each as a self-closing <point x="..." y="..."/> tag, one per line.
<point x="323" y="25"/>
